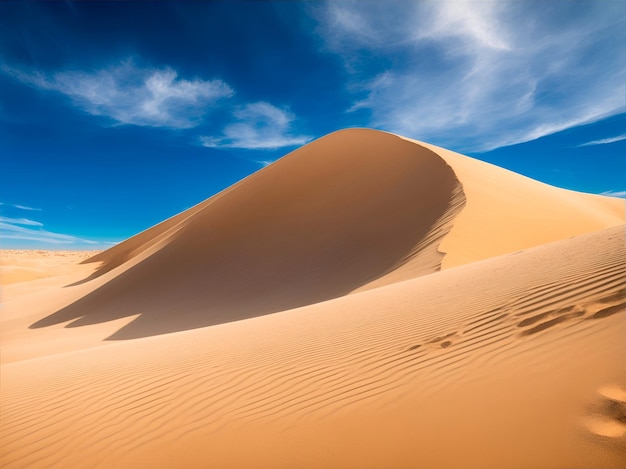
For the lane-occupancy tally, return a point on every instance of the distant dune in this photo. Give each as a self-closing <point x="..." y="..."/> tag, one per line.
<point x="367" y="301"/>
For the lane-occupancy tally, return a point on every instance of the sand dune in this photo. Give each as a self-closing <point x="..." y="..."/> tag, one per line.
<point x="430" y="310"/>
<point x="324" y="221"/>
<point x="354" y="210"/>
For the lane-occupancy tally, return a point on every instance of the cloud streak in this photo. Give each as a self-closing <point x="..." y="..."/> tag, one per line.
<point x="24" y="230"/>
<point x="19" y="221"/>
<point x="257" y="126"/>
<point x="620" y="194"/>
<point x="604" y="141"/>
<point x="475" y="76"/>
<point x="20" y="207"/>
<point x="128" y="94"/>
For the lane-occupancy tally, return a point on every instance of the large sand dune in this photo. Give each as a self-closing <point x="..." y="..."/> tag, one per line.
<point x="431" y="310"/>
<point x="322" y="222"/>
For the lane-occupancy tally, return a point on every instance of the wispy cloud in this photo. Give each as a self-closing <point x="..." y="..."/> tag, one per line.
<point x="20" y="207"/>
<point x="258" y="126"/>
<point x="20" y="221"/>
<point x="604" y="141"/>
<point x="479" y="75"/>
<point x="620" y="194"/>
<point x="128" y="94"/>
<point x="26" y="230"/>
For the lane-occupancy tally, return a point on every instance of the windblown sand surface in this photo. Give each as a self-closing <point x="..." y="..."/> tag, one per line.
<point x="23" y="266"/>
<point x="368" y="301"/>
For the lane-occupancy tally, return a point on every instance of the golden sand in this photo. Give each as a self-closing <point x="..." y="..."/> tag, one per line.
<point x="367" y="301"/>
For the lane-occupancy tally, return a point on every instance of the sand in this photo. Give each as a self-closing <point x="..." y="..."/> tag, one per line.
<point x="367" y="301"/>
<point x="19" y="266"/>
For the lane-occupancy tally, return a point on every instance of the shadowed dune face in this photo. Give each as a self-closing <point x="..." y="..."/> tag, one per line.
<point x="323" y="221"/>
<point x="142" y="242"/>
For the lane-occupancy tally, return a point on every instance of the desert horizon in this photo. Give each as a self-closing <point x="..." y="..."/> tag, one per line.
<point x="324" y="314"/>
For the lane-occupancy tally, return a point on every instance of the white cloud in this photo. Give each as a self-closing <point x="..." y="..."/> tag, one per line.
<point x="21" y="207"/>
<point x="25" y="230"/>
<point x="20" y="221"/>
<point x="258" y="126"/>
<point x="24" y="207"/>
<point x="620" y="194"/>
<point x="473" y="25"/>
<point x="477" y="75"/>
<point x="132" y="95"/>
<point x="604" y="141"/>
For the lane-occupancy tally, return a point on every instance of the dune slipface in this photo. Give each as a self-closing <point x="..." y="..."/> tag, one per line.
<point x="429" y="310"/>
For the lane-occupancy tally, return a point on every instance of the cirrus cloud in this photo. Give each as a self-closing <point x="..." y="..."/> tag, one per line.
<point x="128" y="94"/>
<point x="257" y="126"/>
<point x="21" y="207"/>
<point x="25" y="230"/>
<point x="476" y="76"/>
<point x="604" y="141"/>
<point x="620" y="194"/>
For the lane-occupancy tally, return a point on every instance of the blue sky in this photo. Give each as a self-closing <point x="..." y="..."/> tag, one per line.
<point x="115" y="116"/>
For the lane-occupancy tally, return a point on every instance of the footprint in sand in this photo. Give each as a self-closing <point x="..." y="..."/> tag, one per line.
<point x="607" y="415"/>
<point x="443" y="341"/>
<point x="608" y="311"/>
<point x="541" y="321"/>
<point x="547" y="319"/>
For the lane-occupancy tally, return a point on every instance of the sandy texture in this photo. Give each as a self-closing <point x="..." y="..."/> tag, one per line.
<point x="378" y="353"/>
<point x="18" y="266"/>
<point x="506" y="212"/>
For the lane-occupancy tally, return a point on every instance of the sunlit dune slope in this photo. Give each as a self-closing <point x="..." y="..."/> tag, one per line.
<point x="515" y="361"/>
<point x="354" y="210"/>
<point x="506" y="212"/>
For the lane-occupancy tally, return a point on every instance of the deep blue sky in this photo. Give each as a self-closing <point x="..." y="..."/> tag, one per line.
<point x="115" y="116"/>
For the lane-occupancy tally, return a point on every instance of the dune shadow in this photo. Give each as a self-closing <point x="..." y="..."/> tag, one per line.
<point x="304" y="231"/>
<point x="123" y="252"/>
<point x="99" y="271"/>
